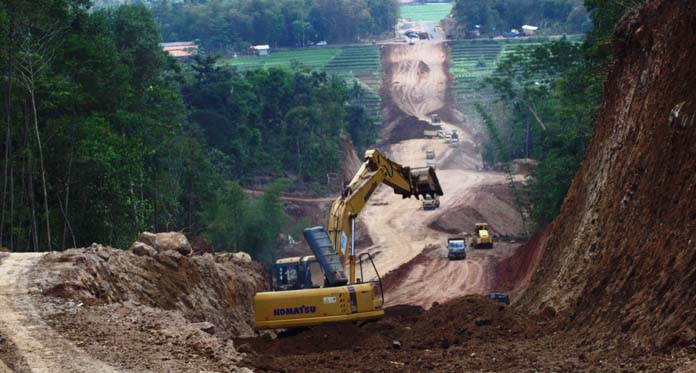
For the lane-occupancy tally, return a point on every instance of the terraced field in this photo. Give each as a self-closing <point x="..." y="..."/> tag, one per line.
<point x="472" y="62"/>
<point x="429" y="12"/>
<point x="352" y="62"/>
<point x="364" y="63"/>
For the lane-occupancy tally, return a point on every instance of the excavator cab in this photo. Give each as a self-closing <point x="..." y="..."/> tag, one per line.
<point x="296" y="273"/>
<point x="293" y="305"/>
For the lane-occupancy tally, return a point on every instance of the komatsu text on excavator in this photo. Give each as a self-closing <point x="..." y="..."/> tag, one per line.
<point x="314" y="289"/>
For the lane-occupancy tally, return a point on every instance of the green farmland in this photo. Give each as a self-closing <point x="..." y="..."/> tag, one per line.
<point x="316" y="58"/>
<point x="352" y="62"/>
<point x="429" y="12"/>
<point x="472" y="62"/>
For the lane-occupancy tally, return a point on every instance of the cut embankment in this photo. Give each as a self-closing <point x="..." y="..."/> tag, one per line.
<point x="620" y="260"/>
<point x="99" y="309"/>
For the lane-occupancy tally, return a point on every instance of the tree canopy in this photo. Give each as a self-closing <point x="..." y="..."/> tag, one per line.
<point x="221" y="25"/>
<point x="104" y="135"/>
<point x="549" y="94"/>
<point x="497" y="16"/>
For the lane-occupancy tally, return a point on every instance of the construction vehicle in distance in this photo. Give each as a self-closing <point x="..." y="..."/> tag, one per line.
<point x="456" y="248"/>
<point x="435" y="119"/>
<point x="431" y="203"/>
<point x="429" y="154"/>
<point x="314" y="289"/>
<point x="481" y="238"/>
<point x="454" y="138"/>
<point x="499" y="297"/>
<point x="429" y="134"/>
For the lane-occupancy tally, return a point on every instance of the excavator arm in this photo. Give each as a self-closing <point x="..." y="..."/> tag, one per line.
<point x="341" y="299"/>
<point x="375" y="170"/>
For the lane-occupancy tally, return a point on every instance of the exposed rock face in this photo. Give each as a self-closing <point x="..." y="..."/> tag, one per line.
<point x="621" y="256"/>
<point x="214" y="288"/>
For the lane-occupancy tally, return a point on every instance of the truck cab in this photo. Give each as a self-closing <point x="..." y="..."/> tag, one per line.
<point x="430" y="202"/>
<point x="456" y="248"/>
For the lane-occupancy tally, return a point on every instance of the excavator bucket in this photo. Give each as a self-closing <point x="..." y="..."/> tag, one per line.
<point x="425" y="182"/>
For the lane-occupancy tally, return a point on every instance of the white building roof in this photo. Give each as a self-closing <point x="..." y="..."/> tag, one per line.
<point x="261" y="47"/>
<point x="530" y="28"/>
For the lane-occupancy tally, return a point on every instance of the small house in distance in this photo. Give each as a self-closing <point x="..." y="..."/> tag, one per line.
<point x="180" y="49"/>
<point x="529" y="30"/>
<point x="262" y="50"/>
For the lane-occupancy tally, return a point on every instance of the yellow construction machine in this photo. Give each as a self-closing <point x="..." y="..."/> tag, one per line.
<point x="482" y="237"/>
<point x="314" y="289"/>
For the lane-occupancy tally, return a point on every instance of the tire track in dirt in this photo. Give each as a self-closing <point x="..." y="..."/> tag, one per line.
<point x="417" y="85"/>
<point x="43" y="349"/>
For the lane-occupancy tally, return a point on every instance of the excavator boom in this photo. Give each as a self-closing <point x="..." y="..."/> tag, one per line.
<point x="341" y="298"/>
<point x="375" y="170"/>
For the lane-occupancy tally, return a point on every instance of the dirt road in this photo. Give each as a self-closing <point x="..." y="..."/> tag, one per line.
<point x="401" y="229"/>
<point x="41" y="349"/>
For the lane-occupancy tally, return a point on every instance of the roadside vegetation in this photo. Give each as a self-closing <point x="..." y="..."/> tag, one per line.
<point x="105" y="136"/>
<point x="540" y="102"/>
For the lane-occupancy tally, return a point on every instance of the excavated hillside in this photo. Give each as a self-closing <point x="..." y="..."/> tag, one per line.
<point x="620" y="259"/>
<point x="99" y="309"/>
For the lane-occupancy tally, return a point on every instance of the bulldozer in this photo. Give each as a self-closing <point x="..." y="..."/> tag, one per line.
<point x="481" y="238"/>
<point x="315" y="289"/>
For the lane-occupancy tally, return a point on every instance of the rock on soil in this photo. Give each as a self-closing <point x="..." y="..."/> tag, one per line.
<point x="159" y="242"/>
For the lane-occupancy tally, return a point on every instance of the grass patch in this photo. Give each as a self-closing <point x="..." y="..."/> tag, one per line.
<point x="315" y="58"/>
<point x="430" y="12"/>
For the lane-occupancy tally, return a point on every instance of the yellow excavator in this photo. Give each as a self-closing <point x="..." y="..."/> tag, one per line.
<point x="314" y="289"/>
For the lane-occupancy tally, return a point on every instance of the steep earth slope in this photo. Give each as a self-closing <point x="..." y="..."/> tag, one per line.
<point x="621" y="256"/>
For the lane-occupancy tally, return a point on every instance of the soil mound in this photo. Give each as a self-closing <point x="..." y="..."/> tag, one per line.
<point x="621" y="257"/>
<point x="465" y="334"/>
<point x="215" y="288"/>
<point x="469" y="320"/>
<point x="494" y="204"/>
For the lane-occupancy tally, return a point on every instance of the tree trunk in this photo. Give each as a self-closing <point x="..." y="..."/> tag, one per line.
<point x="30" y="187"/>
<point x="41" y="165"/>
<point x="11" y="207"/>
<point x="8" y="138"/>
<point x="65" y="209"/>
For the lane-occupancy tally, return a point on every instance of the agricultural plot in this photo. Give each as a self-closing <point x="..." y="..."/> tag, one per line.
<point x="364" y="63"/>
<point x="315" y="58"/>
<point x="472" y="62"/>
<point x="429" y="12"/>
<point x="352" y="62"/>
<point x="361" y="63"/>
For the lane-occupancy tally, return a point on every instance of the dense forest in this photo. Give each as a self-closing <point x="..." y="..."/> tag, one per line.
<point x="105" y="136"/>
<point x="549" y="96"/>
<point x="222" y="25"/>
<point x="497" y="16"/>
